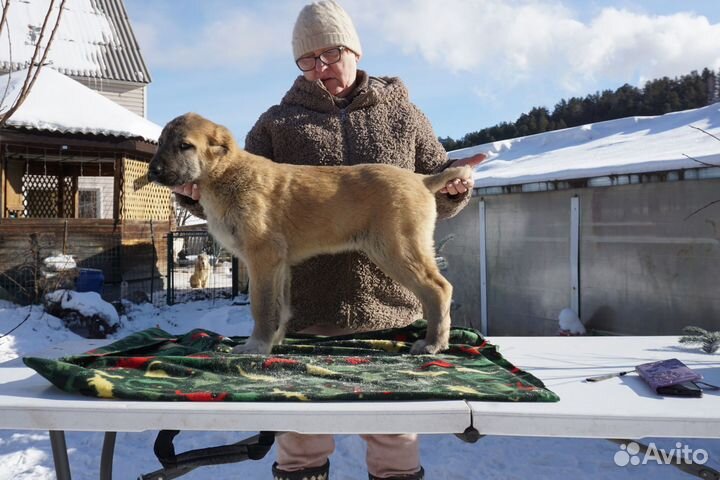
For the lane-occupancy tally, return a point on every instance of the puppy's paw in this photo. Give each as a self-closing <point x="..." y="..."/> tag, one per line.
<point x="253" y="347"/>
<point x="422" y="347"/>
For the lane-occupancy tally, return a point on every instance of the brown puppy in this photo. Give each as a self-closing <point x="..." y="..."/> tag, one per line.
<point x="199" y="279"/>
<point x="274" y="215"/>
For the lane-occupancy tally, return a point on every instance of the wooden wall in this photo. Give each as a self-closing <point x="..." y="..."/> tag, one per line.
<point x="131" y="251"/>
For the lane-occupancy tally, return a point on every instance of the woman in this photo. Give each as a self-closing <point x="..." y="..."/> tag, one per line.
<point x="335" y="114"/>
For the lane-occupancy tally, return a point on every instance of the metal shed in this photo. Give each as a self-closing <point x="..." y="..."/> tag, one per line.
<point x="616" y="220"/>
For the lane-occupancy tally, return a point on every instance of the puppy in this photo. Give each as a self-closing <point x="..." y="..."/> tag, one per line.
<point x="199" y="279"/>
<point x="273" y="216"/>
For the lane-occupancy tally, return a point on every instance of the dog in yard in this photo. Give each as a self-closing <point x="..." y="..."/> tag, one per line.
<point x="273" y="216"/>
<point x="199" y="278"/>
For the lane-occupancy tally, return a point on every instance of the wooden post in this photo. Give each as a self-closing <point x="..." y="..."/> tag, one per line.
<point x="3" y="167"/>
<point x="153" y="262"/>
<point x="65" y="230"/>
<point x="117" y="190"/>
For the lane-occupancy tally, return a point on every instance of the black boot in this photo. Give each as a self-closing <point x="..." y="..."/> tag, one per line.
<point x="314" y="473"/>
<point x="419" y="475"/>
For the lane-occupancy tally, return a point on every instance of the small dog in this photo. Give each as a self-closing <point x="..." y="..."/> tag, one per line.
<point x="199" y="279"/>
<point x="274" y="216"/>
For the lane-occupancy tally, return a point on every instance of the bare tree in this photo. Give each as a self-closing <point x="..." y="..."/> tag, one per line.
<point x="35" y="64"/>
<point x="182" y="215"/>
<point x="3" y="20"/>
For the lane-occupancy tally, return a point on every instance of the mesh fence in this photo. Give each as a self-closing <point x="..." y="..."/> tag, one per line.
<point x="199" y="268"/>
<point x="41" y="255"/>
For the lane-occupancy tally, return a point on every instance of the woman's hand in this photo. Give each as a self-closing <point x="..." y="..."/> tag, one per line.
<point x="458" y="186"/>
<point x="187" y="189"/>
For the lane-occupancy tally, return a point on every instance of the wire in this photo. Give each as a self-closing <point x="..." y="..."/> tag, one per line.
<point x="27" y="317"/>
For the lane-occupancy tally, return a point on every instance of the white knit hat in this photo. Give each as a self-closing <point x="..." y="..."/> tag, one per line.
<point x="323" y="24"/>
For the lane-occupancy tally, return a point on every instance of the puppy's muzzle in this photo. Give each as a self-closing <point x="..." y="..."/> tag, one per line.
<point x="159" y="174"/>
<point x="155" y="173"/>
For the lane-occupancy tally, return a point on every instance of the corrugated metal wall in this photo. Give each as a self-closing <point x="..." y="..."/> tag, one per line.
<point x="94" y="39"/>
<point x="644" y="268"/>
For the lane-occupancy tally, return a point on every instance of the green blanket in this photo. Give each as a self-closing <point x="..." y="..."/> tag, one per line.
<point x="199" y="366"/>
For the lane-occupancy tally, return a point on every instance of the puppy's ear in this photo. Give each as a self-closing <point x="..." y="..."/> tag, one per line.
<point x="221" y="141"/>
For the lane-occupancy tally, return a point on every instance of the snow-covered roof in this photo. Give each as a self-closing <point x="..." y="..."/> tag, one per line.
<point x="60" y="104"/>
<point x="94" y="39"/>
<point x="626" y="146"/>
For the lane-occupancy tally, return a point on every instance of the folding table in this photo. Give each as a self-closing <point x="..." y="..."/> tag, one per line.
<point x="617" y="408"/>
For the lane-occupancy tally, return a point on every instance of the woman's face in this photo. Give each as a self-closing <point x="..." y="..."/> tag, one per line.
<point x="338" y="77"/>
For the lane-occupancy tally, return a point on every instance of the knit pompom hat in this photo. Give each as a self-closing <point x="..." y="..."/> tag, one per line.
<point x="323" y="24"/>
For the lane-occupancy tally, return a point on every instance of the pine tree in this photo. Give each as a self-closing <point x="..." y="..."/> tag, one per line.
<point x="709" y="341"/>
<point x="656" y="97"/>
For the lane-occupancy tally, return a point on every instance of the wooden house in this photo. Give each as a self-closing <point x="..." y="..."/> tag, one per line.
<point x="73" y="157"/>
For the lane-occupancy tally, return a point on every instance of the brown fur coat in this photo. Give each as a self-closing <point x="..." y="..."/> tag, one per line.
<point x="375" y="124"/>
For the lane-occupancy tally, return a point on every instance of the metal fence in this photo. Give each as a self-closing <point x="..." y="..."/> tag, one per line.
<point x="200" y="268"/>
<point x="629" y="259"/>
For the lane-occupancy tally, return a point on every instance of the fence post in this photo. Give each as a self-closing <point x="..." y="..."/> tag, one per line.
<point x="152" y="263"/>
<point x="575" y="254"/>
<point x="235" y="268"/>
<point x="483" y="267"/>
<point x="170" y="297"/>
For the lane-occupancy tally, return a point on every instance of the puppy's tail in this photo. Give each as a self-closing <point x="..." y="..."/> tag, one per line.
<point x="438" y="181"/>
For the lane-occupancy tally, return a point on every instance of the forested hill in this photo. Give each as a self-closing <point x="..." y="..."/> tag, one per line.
<point x="655" y="98"/>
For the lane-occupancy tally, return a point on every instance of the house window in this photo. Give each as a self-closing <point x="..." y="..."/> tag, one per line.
<point x="89" y="200"/>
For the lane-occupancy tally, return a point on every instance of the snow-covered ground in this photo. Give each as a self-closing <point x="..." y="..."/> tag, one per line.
<point x="26" y="455"/>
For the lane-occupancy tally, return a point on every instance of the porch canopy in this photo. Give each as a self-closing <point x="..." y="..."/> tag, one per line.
<point x="66" y="141"/>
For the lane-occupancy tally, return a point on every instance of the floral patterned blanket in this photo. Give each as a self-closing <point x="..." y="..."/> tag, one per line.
<point x="199" y="366"/>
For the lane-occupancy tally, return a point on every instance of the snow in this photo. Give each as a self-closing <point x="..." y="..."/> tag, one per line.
<point x="85" y="303"/>
<point x="26" y="455"/>
<point x="60" y="104"/>
<point x="625" y="146"/>
<point x="59" y="262"/>
<point x="569" y="322"/>
<point x="84" y="32"/>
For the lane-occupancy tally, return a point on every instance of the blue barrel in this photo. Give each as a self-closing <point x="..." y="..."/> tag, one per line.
<point x="90" y="280"/>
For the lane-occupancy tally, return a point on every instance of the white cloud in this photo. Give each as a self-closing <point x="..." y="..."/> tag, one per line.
<point x="521" y="41"/>
<point x="622" y="43"/>
<point x="234" y="36"/>
<point x="510" y="43"/>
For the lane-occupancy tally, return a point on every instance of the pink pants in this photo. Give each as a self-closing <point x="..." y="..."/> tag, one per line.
<point x="387" y="455"/>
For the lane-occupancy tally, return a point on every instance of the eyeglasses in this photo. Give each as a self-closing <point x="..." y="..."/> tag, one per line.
<point x="328" y="57"/>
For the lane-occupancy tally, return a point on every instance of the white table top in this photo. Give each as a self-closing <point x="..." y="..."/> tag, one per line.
<point x="29" y="401"/>
<point x="621" y="407"/>
<point x="616" y="408"/>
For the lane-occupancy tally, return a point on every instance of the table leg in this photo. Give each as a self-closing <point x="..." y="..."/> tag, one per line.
<point x="106" y="460"/>
<point x="60" y="456"/>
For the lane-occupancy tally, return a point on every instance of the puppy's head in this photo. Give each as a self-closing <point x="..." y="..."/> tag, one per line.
<point x="189" y="146"/>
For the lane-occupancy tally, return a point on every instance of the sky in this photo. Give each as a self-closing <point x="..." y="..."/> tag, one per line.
<point x="468" y="64"/>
